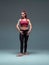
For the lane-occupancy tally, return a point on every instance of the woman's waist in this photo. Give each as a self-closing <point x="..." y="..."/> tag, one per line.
<point x="24" y="28"/>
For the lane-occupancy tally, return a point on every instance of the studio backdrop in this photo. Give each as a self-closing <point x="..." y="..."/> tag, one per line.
<point x="37" y="11"/>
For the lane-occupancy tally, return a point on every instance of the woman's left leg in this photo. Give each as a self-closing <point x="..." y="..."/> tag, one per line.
<point x="25" y="43"/>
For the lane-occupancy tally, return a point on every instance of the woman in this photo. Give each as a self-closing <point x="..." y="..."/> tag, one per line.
<point x="24" y="26"/>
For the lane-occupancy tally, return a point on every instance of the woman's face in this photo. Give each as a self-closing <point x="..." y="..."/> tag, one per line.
<point x="23" y="15"/>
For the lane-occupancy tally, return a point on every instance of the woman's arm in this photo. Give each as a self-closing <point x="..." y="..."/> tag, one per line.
<point x="30" y="26"/>
<point x="17" y="25"/>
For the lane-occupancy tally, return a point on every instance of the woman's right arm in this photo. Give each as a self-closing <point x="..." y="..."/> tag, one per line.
<point x="17" y="25"/>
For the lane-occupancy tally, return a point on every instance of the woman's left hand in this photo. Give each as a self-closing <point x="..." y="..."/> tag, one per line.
<point x="28" y="32"/>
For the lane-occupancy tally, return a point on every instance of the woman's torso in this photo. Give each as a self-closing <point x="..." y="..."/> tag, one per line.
<point x="24" y="24"/>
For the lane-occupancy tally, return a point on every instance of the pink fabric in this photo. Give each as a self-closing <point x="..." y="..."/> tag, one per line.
<point x="24" y="23"/>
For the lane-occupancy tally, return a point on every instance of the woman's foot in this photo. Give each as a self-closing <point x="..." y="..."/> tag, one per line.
<point x="25" y="53"/>
<point x="20" y="54"/>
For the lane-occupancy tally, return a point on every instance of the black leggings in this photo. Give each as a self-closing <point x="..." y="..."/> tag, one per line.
<point x="23" y="39"/>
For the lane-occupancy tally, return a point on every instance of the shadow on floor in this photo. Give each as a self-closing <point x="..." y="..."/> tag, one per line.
<point x="29" y="52"/>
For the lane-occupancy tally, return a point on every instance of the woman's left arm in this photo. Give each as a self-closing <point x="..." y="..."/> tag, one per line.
<point x="30" y="25"/>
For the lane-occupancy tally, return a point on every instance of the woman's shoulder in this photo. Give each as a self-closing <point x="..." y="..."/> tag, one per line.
<point x="28" y="19"/>
<point x="19" y="19"/>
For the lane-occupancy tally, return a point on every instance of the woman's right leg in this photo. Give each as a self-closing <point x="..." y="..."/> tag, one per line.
<point x="21" y="43"/>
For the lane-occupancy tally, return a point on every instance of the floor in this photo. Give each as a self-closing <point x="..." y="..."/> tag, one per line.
<point x="34" y="57"/>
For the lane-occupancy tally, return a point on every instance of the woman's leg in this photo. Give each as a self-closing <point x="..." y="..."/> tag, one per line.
<point x="21" y="43"/>
<point x="26" y="40"/>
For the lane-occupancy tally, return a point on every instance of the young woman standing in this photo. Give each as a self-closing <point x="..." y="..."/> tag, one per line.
<point x="24" y="26"/>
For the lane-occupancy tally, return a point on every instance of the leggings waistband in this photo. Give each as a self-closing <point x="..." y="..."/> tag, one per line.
<point x="24" y="30"/>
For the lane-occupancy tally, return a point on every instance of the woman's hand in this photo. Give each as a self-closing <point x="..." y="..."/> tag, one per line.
<point x="28" y="32"/>
<point x="21" y="32"/>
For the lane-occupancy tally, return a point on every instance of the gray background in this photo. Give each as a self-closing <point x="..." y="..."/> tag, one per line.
<point x="38" y="12"/>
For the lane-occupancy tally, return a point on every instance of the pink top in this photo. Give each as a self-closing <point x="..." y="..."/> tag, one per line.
<point x="24" y="23"/>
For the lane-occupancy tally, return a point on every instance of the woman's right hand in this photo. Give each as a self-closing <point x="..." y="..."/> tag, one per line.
<point x="21" y="32"/>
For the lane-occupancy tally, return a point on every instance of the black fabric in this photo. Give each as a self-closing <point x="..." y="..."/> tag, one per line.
<point x="23" y="41"/>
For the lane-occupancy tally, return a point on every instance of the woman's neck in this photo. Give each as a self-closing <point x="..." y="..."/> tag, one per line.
<point x="23" y="18"/>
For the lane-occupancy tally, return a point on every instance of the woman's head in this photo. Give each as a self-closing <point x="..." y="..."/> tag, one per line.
<point x="23" y="14"/>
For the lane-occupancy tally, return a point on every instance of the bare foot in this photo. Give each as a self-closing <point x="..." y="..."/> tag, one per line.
<point x="20" y="54"/>
<point x="26" y="53"/>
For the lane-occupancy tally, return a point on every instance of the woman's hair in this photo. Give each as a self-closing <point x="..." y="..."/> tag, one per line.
<point x="25" y="13"/>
